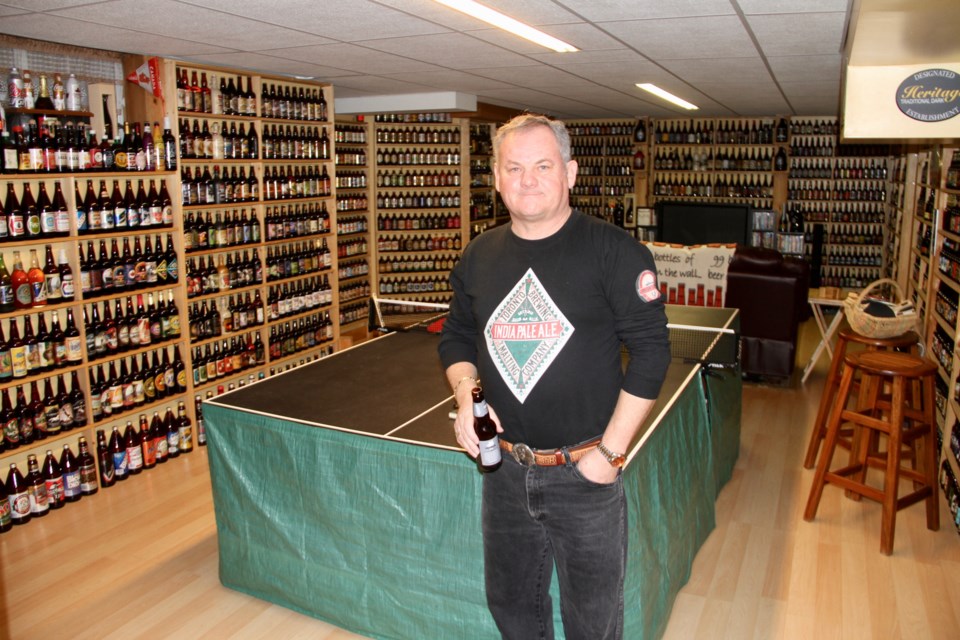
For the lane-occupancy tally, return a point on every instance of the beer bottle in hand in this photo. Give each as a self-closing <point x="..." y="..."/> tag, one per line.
<point x="489" y="459"/>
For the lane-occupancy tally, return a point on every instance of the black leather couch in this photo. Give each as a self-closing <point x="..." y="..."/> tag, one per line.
<point x="770" y="290"/>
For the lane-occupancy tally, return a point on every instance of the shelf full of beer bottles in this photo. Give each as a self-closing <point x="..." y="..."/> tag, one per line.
<point x="421" y="187"/>
<point x="254" y="148"/>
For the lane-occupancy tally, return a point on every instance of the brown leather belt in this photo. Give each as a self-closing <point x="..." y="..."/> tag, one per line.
<point x="547" y="457"/>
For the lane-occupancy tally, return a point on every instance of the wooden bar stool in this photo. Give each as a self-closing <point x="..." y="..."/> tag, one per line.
<point x="909" y="423"/>
<point x="846" y="336"/>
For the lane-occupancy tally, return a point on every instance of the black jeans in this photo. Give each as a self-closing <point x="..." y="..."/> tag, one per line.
<point x="534" y="517"/>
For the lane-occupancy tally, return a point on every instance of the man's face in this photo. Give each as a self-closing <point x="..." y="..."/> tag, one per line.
<point x="532" y="178"/>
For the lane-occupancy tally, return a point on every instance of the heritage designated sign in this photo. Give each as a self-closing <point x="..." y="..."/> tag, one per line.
<point x="932" y="95"/>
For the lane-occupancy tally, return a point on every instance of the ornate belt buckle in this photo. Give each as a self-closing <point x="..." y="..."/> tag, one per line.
<point x="524" y="455"/>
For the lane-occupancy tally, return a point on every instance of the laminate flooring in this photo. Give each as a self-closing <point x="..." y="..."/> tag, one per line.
<point x="140" y="560"/>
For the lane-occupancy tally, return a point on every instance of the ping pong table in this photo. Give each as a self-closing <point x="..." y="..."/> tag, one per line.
<point x="340" y="491"/>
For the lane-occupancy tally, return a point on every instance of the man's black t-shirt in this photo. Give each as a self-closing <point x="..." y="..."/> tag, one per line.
<point x="544" y="321"/>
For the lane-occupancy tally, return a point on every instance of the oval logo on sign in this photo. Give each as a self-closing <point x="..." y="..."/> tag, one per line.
<point x="932" y="95"/>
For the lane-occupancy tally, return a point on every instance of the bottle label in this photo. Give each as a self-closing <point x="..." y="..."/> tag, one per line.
<point x="74" y="349"/>
<point x="39" y="500"/>
<point x="71" y="484"/>
<point x="79" y="412"/>
<point x="490" y="451"/>
<point x="5" y="517"/>
<point x="18" y="360"/>
<point x="6" y="366"/>
<point x="11" y="431"/>
<point x="120" y="462"/>
<point x="135" y="456"/>
<point x="19" y="505"/>
<point x="67" y="286"/>
<point x="39" y="292"/>
<point x="6" y="295"/>
<point x="57" y="490"/>
<point x="52" y="285"/>
<point x="66" y="415"/>
<point x="48" y="222"/>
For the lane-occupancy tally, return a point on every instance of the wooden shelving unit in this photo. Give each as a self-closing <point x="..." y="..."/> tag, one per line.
<point x="420" y="197"/>
<point x="354" y="228"/>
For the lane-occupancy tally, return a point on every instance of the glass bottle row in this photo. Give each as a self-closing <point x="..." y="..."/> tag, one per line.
<point x="418" y="200"/>
<point x="418" y="135"/>
<point x="110" y="333"/>
<point x="414" y="222"/>
<point x="203" y="231"/>
<point x="41" y="415"/>
<point x="418" y="178"/>
<point x="300" y="335"/>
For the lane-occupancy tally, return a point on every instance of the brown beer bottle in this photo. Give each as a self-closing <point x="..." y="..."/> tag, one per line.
<point x="70" y="474"/>
<point x="36" y="489"/>
<point x="18" y="496"/>
<point x="53" y="482"/>
<point x="88" y="469"/>
<point x="108" y="476"/>
<point x="489" y="458"/>
<point x="185" y="428"/>
<point x="148" y="443"/>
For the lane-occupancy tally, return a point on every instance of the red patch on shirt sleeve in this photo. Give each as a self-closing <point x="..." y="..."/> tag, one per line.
<point x="647" y="286"/>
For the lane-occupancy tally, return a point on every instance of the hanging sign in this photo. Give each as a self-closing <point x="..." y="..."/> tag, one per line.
<point x="931" y="95"/>
<point x="147" y="76"/>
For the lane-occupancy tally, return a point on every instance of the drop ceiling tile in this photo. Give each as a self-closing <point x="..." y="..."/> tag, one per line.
<point x="710" y="69"/>
<point x="581" y="35"/>
<point x="454" y="51"/>
<point x="44" y="5"/>
<point x="356" y="58"/>
<point x="98" y="36"/>
<point x="534" y="12"/>
<point x="815" y="106"/>
<point x="534" y="76"/>
<point x="178" y="20"/>
<point x="754" y="7"/>
<point x="824" y="68"/>
<point x="680" y="38"/>
<point x="616" y="10"/>
<point x="270" y="64"/>
<point x="815" y="89"/>
<point x="725" y="91"/>
<point x="758" y="106"/>
<point x="378" y="85"/>
<point x="798" y="34"/>
<point x="329" y="18"/>
<point x="451" y="80"/>
<point x="561" y="60"/>
<point x="638" y="70"/>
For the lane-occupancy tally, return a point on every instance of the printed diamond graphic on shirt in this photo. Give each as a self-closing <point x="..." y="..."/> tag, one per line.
<point x="526" y="334"/>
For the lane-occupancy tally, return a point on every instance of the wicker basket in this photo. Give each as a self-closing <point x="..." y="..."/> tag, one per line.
<point x="876" y="326"/>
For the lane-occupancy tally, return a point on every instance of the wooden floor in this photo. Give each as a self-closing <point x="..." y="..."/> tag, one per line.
<point x="139" y="560"/>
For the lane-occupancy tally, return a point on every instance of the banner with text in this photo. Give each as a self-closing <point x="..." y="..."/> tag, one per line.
<point x="694" y="276"/>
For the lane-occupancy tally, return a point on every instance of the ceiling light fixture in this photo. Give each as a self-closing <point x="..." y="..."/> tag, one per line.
<point x="666" y="95"/>
<point x="505" y="22"/>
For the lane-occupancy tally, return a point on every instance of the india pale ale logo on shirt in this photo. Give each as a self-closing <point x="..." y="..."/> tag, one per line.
<point x="931" y="95"/>
<point x="525" y="334"/>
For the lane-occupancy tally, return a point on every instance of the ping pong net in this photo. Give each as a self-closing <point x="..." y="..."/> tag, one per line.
<point x="712" y="347"/>
<point x="391" y="314"/>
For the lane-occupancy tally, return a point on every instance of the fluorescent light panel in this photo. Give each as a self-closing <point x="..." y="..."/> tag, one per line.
<point x="666" y="95"/>
<point x="505" y="22"/>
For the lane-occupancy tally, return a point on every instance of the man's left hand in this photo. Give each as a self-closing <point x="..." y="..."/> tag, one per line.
<point x="595" y="468"/>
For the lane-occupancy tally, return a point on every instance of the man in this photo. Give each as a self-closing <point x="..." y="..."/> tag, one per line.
<point x="540" y="309"/>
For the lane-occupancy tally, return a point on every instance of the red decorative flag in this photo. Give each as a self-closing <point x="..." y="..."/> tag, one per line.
<point x="147" y="76"/>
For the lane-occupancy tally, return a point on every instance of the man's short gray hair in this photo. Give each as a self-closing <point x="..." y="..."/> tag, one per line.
<point x="527" y="120"/>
